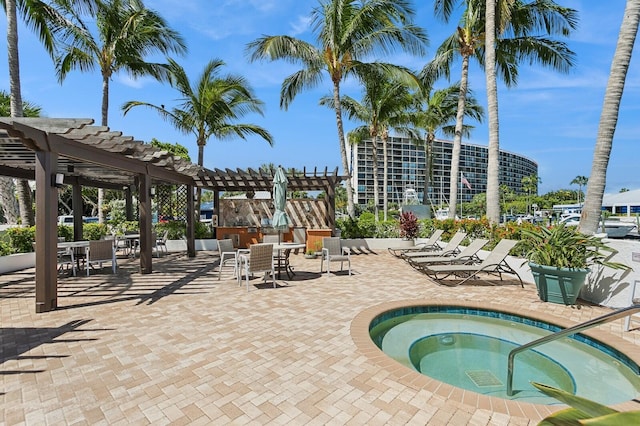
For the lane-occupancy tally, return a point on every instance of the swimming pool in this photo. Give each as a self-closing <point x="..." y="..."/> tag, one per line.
<point x="468" y="348"/>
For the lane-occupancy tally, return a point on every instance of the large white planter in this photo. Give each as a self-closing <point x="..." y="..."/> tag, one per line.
<point x="17" y="262"/>
<point x="367" y="244"/>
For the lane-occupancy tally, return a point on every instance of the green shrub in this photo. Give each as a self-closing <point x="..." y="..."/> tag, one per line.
<point x="65" y="232"/>
<point x="203" y="230"/>
<point x="177" y="229"/>
<point x="21" y="239"/>
<point x="388" y="229"/>
<point x="94" y="231"/>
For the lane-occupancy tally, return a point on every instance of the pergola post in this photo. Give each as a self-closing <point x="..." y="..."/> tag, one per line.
<point x="128" y="203"/>
<point x="331" y="207"/>
<point x="144" y="196"/>
<point x="77" y="204"/>
<point x="191" y="243"/>
<point x="46" y="232"/>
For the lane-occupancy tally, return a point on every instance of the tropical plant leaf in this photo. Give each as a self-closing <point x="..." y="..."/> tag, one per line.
<point x="586" y="406"/>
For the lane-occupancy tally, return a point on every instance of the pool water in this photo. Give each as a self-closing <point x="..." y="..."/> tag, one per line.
<point x="470" y="351"/>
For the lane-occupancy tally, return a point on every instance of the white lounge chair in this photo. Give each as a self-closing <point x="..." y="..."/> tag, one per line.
<point x="468" y="255"/>
<point x="450" y="249"/>
<point x="430" y="245"/>
<point x="494" y="263"/>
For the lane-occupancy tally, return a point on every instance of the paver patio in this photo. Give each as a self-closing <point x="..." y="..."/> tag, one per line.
<point x="180" y="347"/>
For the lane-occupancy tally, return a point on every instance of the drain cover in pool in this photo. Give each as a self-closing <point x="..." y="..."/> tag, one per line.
<point x="483" y="378"/>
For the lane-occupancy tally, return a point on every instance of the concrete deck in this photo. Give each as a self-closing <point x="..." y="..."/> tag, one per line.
<point x="180" y="347"/>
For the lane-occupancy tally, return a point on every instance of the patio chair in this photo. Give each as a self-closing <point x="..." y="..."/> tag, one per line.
<point x="66" y="260"/>
<point x="259" y="259"/>
<point x="99" y="252"/>
<point x="468" y="255"/>
<point x="332" y="251"/>
<point x="450" y="249"/>
<point x="161" y="243"/>
<point x="228" y="257"/>
<point x="430" y="245"/>
<point x="494" y="263"/>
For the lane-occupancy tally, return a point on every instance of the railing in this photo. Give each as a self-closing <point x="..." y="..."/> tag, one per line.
<point x="620" y="313"/>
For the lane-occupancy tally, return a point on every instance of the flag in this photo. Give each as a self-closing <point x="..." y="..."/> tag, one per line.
<point x="464" y="181"/>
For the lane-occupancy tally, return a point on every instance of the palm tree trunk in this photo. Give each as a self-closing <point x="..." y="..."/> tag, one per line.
<point x="428" y="138"/>
<point x="8" y="200"/>
<point x="376" y="183"/>
<point x="351" y="211"/>
<point x="385" y="174"/>
<point x="609" y="118"/>
<point x="493" y="160"/>
<point x="24" y="192"/>
<point x="457" y="139"/>
<point x="14" y="60"/>
<point x="105" y="122"/>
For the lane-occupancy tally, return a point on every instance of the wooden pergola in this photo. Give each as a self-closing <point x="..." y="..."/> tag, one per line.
<point x="257" y="180"/>
<point x="41" y="148"/>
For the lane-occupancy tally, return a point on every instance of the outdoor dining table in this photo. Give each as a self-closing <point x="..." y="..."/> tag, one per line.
<point x="75" y="246"/>
<point x="131" y="242"/>
<point x="287" y="247"/>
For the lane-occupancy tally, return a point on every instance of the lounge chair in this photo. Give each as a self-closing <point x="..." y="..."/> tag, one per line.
<point x="468" y="256"/>
<point x="430" y="245"/>
<point x="494" y="263"/>
<point x="450" y="249"/>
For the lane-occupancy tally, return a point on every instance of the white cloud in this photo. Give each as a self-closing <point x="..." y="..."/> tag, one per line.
<point x="300" y="25"/>
<point x="134" y="82"/>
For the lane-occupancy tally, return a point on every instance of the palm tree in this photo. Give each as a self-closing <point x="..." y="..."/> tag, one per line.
<point x="493" y="154"/>
<point x="8" y="202"/>
<point x="609" y="117"/>
<point x="436" y="112"/>
<point x="125" y="33"/>
<point x="464" y="42"/>
<point x="516" y="28"/>
<point x="580" y="181"/>
<point x="530" y="186"/>
<point x="209" y="106"/>
<point x="347" y="31"/>
<point x="383" y="105"/>
<point x="41" y="18"/>
<point x="515" y="23"/>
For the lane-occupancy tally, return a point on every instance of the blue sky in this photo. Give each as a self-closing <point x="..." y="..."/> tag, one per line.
<point x="549" y="117"/>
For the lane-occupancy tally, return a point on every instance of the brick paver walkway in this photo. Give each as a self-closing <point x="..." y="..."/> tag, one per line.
<point x="180" y="347"/>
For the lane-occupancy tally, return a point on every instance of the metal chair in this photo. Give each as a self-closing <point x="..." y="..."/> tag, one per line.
<point x="259" y="259"/>
<point x="66" y="259"/>
<point x="227" y="255"/>
<point x="161" y="244"/>
<point x="99" y="252"/>
<point x="332" y="251"/>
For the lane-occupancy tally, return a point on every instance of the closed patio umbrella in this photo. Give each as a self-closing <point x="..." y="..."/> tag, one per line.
<point x="280" y="220"/>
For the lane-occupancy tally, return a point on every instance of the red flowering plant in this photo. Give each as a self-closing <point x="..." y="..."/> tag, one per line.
<point x="408" y="225"/>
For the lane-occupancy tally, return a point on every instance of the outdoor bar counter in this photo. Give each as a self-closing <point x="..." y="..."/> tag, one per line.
<point x="244" y="236"/>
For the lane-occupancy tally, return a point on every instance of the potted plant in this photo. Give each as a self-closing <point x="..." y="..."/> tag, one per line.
<point x="310" y="254"/>
<point x="560" y="257"/>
